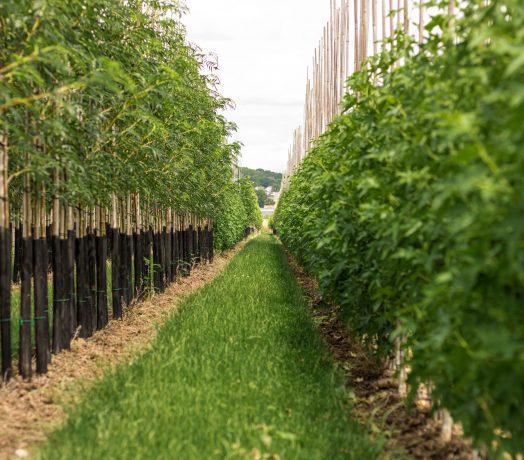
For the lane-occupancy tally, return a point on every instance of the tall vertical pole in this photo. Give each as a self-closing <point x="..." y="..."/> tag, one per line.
<point x="25" y="351"/>
<point x="391" y="18"/>
<point x="421" y="23"/>
<point x="5" y="255"/>
<point x="357" y="41"/>
<point x="406" y="16"/>
<point x="375" y="33"/>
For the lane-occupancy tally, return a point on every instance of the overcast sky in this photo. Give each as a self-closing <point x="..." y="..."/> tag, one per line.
<point x="264" y="48"/>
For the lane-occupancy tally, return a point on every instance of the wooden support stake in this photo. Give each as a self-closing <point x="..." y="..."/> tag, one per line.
<point x="5" y="256"/>
<point x="25" y="350"/>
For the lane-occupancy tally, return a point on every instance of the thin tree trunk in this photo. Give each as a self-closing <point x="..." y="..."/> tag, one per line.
<point x="40" y="279"/>
<point x="5" y="258"/>
<point x="91" y="272"/>
<point x="72" y="313"/>
<point x="139" y="250"/>
<point x="58" y="302"/>
<point x="24" y="362"/>
<point x="115" y="261"/>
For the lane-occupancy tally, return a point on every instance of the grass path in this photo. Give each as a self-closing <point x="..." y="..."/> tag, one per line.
<point x="239" y="372"/>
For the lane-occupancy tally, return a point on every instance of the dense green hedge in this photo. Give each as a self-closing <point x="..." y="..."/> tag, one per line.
<point x="237" y="211"/>
<point x="411" y="208"/>
<point x="250" y="201"/>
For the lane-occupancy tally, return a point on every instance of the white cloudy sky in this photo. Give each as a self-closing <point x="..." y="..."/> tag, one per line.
<point x="264" y="48"/>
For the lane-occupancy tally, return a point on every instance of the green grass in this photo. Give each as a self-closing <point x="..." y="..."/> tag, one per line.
<point x="239" y="367"/>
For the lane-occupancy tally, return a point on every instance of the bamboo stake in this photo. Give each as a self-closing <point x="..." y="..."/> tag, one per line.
<point x="325" y="79"/>
<point x="399" y="17"/>
<point x="451" y="14"/>
<point x="357" y="40"/>
<point x="391" y="19"/>
<point x="406" y="16"/>
<point x="331" y="63"/>
<point x="344" y="47"/>
<point x="375" y="34"/>
<point x="5" y="256"/>
<point x="24" y="362"/>
<point x="384" y="33"/>
<point x="334" y="69"/>
<point x="421" y="23"/>
<point x="365" y="22"/>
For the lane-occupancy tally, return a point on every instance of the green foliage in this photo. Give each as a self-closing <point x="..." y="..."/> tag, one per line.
<point x="229" y="226"/>
<point x="411" y="208"/>
<point x="263" y="178"/>
<point x="113" y="98"/>
<point x="261" y="197"/>
<point x="237" y="211"/>
<point x="239" y="367"/>
<point x="249" y="198"/>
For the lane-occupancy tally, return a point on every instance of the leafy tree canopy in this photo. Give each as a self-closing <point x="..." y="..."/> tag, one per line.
<point x="263" y="178"/>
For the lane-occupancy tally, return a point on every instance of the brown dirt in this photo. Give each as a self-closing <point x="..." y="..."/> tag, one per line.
<point x="30" y="409"/>
<point x="408" y="430"/>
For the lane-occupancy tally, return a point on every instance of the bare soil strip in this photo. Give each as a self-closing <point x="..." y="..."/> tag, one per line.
<point x="30" y="409"/>
<point x="409" y="430"/>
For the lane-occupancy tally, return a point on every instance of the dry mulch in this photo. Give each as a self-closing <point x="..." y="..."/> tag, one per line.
<point x="409" y="430"/>
<point x="30" y="409"/>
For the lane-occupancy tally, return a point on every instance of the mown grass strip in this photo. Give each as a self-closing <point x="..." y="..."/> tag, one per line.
<point x="240" y="371"/>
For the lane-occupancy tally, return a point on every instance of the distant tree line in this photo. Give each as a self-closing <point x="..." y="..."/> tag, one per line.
<point x="263" y="178"/>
